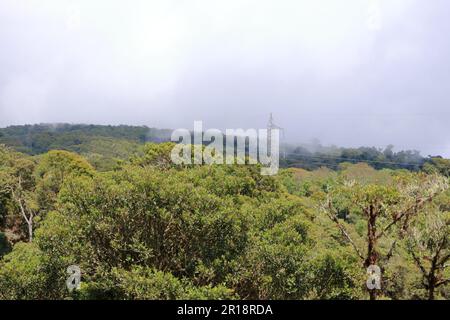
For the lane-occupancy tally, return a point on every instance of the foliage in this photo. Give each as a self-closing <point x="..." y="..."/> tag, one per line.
<point x="106" y="146"/>
<point x="438" y="165"/>
<point x="25" y="273"/>
<point x="315" y="156"/>
<point x="143" y="283"/>
<point x="147" y="229"/>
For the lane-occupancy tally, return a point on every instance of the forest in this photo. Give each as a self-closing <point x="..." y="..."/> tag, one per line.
<point x="104" y="146"/>
<point x="109" y="200"/>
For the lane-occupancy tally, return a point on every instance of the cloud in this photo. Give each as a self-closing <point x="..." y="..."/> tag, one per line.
<point x="371" y="72"/>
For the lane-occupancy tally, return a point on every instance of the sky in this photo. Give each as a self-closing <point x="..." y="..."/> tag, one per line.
<point x="348" y="73"/>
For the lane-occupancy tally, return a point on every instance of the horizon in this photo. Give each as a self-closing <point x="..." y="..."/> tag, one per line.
<point x="308" y="144"/>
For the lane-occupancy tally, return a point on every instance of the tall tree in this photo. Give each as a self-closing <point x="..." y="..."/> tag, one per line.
<point x="429" y="245"/>
<point x="20" y="184"/>
<point x="383" y="207"/>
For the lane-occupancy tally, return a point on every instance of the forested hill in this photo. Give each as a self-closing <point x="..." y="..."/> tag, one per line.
<point x="314" y="156"/>
<point x="103" y="146"/>
<point x="40" y="138"/>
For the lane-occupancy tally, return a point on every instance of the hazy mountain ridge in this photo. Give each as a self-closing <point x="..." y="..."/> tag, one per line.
<point x="103" y="145"/>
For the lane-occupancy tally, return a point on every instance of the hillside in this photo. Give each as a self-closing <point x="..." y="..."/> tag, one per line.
<point x="104" y="146"/>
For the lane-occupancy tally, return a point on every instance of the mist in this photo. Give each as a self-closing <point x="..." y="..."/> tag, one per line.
<point x="353" y="73"/>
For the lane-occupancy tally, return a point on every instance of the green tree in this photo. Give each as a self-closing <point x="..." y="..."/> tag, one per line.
<point x="25" y="273"/>
<point x="53" y="169"/>
<point x="429" y="245"/>
<point x="383" y="207"/>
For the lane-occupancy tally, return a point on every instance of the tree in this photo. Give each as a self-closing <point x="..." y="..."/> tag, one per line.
<point x="438" y="165"/>
<point x="52" y="170"/>
<point x="382" y="207"/>
<point x="429" y="245"/>
<point x="17" y="186"/>
<point x="157" y="155"/>
<point x="141" y="232"/>
<point x="20" y="184"/>
<point x="143" y="283"/>
<point x="26" y="273"/>
<point x="143" y="216"/>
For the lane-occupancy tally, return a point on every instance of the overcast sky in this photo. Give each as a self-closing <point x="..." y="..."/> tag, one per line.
<point x="350" y="73"/>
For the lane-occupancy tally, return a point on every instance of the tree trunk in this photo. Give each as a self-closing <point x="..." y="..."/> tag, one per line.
<point x="372" y="255"/>
<point x="431" y="293"/>
<point x="431" y="285"/>
<point x="30" y="229"/>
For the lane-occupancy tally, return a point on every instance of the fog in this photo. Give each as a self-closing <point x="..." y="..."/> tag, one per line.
<point x="348" y="73"/>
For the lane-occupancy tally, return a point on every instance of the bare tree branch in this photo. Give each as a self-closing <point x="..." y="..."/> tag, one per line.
<point x="391" y="250"/>
<point x="408" y="212"/>
<point x="418" y="262"/>
<point x="442" y="282"/>
<point x="444" y="260"/>
<point x="332" y="215"/>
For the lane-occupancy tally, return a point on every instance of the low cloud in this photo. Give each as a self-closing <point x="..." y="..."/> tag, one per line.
<point x="365" y="73"/>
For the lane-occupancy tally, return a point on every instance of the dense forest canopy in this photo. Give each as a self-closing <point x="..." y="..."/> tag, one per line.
<point x="103" y="146"/>
<point x="141" y="227"/>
